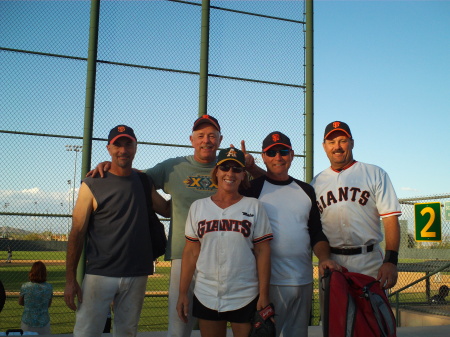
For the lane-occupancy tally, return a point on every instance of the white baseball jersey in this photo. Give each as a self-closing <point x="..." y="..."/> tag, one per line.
<point x="226" y="276"/>
<point x="295" y="220"/>
<point x="352" y="201"/>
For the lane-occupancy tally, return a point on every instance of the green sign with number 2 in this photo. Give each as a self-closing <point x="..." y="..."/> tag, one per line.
<point x="427" y="218"/>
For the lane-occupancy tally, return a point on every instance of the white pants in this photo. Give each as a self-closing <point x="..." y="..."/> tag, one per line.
<point x="177" y="328"/>
<point x="126" y="294"/>
<point x="367" y="263"/>
<point x="292" y="309"/>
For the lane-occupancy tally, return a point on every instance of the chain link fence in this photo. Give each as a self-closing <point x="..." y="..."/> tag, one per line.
<point x="426" y="259"/>
<point x="147" y="76"/>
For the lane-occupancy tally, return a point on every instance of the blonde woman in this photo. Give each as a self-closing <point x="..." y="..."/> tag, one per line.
<point x="227" y="247"/>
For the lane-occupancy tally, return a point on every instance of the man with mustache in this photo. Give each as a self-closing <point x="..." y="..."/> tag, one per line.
<point x="352" y="197"/>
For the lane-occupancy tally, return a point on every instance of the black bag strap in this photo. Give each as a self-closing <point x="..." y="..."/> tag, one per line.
<point x="147" y="183"/>
<point x="381" y="310"/>
<point x="325" y="284"/>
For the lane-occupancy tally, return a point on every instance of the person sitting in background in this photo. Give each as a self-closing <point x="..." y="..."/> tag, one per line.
<point x="36" y="297"/>
<point x="440" y="297"/>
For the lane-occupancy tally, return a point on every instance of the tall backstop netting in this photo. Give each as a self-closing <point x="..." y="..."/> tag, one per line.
<point x="147" y="76"/>
<point x="146" y="71"/>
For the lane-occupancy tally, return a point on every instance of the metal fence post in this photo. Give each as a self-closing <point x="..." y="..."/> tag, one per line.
<point x="204" y="59"/>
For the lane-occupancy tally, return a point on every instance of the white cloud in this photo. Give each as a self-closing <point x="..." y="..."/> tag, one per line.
<point x="409" y="189"/>
<point x="34" y="190"/>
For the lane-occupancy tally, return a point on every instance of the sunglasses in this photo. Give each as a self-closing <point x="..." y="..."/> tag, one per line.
<point x="235" y="169"/>
<point x="273" y="153"/>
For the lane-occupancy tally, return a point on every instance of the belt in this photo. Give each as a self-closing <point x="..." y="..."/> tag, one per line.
<point x="351" y="251"/>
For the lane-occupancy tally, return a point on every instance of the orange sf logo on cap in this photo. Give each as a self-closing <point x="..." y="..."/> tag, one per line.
<point x="336" y="124"/>
<point x="275" y="137"/>
<point x="121" y="129"/>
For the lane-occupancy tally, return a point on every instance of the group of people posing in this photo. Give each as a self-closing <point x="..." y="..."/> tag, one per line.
<point x="240" y="236"/>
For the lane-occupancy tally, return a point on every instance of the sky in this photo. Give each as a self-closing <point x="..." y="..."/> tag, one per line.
<point x="380" y="66"/>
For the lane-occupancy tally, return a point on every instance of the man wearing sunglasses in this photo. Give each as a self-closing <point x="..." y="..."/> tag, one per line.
<point x="295" y="220"/>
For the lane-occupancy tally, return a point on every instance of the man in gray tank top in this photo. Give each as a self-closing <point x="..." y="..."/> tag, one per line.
<point x="112" y="213"/>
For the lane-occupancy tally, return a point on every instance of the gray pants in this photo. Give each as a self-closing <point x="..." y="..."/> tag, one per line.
<point x="292" y="309"/>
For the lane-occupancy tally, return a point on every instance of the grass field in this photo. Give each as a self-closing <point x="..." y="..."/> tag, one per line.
<point x="154" y="313"/>
<point x="13" y="275"/>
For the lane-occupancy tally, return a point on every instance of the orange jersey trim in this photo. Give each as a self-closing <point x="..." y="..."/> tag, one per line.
<point x="344" y="168"/>
<point x="391" y="213"/>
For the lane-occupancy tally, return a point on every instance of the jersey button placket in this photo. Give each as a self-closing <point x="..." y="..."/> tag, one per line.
<point x="221" y="266"/>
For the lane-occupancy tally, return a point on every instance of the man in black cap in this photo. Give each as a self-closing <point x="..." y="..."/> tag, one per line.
<point x="352" y="197"/>
<point x="295" y="220"/>
<point x="112" y="212"/>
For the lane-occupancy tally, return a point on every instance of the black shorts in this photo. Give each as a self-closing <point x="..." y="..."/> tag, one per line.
<point x="241" y="315"/>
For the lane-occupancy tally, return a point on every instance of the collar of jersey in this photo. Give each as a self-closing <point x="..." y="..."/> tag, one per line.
<point x="278" y="182"/>
<point x="346" y="167"/>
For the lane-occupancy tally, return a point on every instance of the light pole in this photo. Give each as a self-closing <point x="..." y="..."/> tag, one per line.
<point x="76" y="149"/>
<point x="35" y="211"/>
<point x="5" y="206"/>
<point x="69" y="182"/>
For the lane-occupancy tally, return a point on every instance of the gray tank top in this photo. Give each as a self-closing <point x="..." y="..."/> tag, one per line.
<point x="118" y="234"/>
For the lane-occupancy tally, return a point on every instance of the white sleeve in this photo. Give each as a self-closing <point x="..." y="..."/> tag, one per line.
<point x="386" y="198"/>
<point x="190" y="230"/>
<point x="263" y="230"/>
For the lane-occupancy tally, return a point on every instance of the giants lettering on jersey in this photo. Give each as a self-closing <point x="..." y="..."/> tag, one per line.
<point x="353" y="194"/>
<point x="224" y="225"/>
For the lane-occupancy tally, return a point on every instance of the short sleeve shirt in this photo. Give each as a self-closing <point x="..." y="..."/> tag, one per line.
<point x="226" y="276"/>
<point x="36" y="299"/>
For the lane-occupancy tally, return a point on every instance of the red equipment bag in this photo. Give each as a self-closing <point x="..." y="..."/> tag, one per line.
<point x="355" y="306"/>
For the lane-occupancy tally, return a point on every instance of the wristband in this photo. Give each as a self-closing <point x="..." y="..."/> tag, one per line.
<point x="391" y="257"/>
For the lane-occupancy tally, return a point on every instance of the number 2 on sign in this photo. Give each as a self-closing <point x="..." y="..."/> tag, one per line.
<point x="424" y="232"/>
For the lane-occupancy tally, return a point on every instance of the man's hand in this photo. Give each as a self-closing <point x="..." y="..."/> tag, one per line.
<point x="328" y="263"/>
<point x="249" y="159"/>
<point x="100" y="169"/>
<point x="250" y="164"/>
<point x="387" y="275"/>
<point x="71" y="291"/>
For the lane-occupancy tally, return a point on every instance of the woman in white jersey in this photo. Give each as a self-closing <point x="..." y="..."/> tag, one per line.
<point x="227" y="247"/>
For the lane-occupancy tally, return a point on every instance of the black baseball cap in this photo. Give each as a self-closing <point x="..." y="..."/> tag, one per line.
<point x="276" y="138"/>
<point x="206" y="119"/>
<point x="337" y="126"/>
<point x="231" y="153"/>
<point x="121" y="131"/>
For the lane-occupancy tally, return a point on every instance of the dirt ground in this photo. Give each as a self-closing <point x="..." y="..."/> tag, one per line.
<point x="405" y="278"/>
